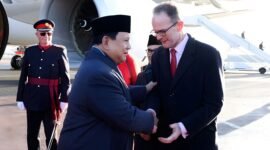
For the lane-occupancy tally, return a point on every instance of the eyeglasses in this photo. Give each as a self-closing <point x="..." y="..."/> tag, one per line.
<point x="44" y="33"/>
<point x="162" y="32"/>
<point x="150" y="50"/>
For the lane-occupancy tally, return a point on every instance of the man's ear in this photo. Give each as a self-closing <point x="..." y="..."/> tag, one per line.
<point x="180" y="25"/>
<point x="105" y="42"/>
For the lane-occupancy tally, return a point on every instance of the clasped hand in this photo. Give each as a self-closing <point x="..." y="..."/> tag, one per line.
<point x="147" y="137"/>
<point x="176" y="132"/>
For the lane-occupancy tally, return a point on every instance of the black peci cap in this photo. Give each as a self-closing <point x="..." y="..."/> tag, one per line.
<point x="108" y="24"/>
<point x="44" y="25"/>
<point x="153" y="41"/>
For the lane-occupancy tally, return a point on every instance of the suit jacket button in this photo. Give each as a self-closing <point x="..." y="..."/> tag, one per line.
<point x="38" y="86"/>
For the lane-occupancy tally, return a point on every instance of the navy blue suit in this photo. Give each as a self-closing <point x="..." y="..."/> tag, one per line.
<point x="194" y="96"/>
<point x="100" y="115"/>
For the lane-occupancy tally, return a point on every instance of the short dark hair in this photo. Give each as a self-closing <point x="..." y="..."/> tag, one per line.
<point x="98" y="39"/>
<point x="169" y="9"/>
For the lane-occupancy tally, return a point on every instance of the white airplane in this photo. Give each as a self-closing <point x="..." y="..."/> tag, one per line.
<point x="70" y="17"/>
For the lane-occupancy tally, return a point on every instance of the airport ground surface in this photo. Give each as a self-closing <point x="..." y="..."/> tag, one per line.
<point x="243" y="124"/>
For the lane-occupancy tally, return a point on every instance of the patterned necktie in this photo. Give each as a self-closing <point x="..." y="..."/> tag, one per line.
<point x="173" y="62"/>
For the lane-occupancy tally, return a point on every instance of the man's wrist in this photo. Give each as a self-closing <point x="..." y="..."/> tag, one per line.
<point x="183" y="129"/>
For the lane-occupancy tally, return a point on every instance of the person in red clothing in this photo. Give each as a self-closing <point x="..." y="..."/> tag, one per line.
<point x="129" y="70"/>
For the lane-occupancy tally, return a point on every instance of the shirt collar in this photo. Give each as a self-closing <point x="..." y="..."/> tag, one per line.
<point x="99" y="50"/>
<point x="44" y="47"/>
<point x="181" y="46"/>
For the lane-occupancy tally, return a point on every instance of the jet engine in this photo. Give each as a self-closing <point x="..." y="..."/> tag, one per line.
<point x="71" y="19"/>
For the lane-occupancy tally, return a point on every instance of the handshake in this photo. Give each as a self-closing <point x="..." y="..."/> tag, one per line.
<point x="154" y="130"/>
<point x="147" y="137"/>
<point x="176" y="131"/>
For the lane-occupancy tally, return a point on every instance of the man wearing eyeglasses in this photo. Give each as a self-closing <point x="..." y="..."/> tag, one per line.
<point x="146" y="75"/>
<point x="189" y="92"/>
<point x="44" y="84"/>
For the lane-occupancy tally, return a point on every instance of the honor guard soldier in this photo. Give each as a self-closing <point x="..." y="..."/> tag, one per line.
<point x="44" y="84"/>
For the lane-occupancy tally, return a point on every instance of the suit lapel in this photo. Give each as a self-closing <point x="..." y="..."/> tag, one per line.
<point x="165" y="65"/>
<point x="120" y="78"/>
<point x="186" y="60"/>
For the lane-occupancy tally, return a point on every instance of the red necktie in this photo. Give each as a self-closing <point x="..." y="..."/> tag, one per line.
<point x="173" y="62"/>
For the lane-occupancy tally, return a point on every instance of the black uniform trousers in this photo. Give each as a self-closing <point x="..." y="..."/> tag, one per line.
<point x="34" y="119"/>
